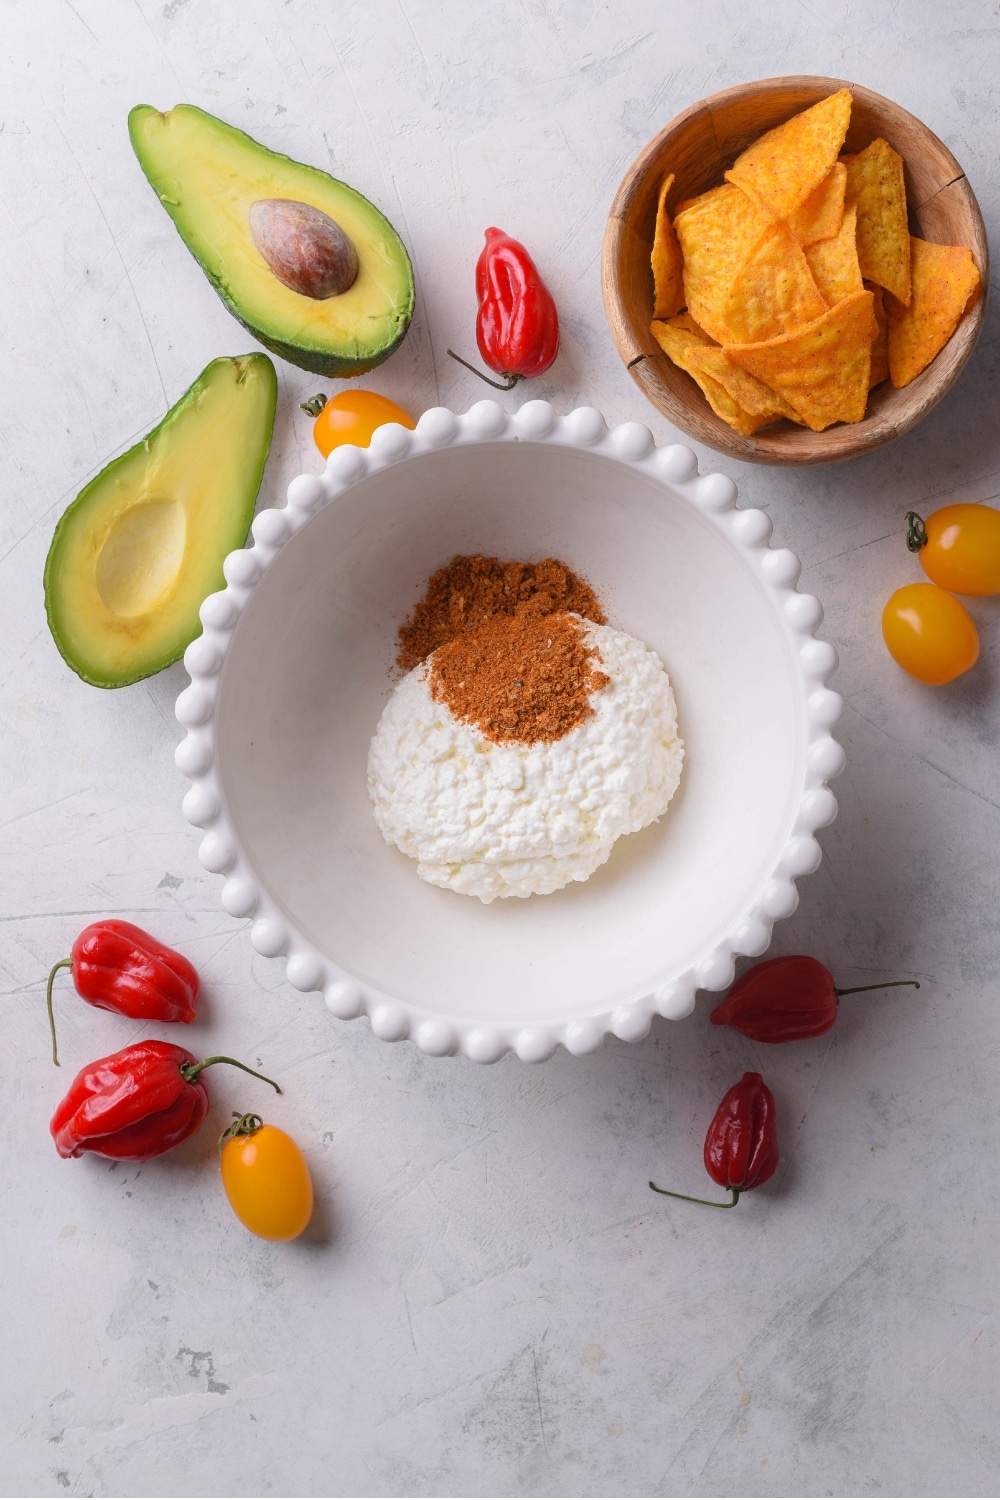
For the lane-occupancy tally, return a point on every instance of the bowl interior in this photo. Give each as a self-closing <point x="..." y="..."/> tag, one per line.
<point x="309" y="670"/>
<point x="698" y="146"/>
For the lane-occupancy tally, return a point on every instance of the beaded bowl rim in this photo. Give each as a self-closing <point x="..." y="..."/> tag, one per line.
<point x="631" y="444"/>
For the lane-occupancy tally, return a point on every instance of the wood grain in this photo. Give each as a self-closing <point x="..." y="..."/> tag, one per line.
<point x="698" y="146"/>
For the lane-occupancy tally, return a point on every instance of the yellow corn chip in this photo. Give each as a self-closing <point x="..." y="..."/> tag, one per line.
<point x="820" y="216"/>
<point x="668" y="268"/>
<point x="875" y="182"/>
<point x="745" y="389"/>
<point x="681" y="342"/>
<point x="834" y="263"/>
<point x="784" y="166"/>
<point x="880" y="344"/>
<point x="822" y="370"/>
<point x="773" y="294"/>
<point x="676" y="335"/>
<point x="701" y="199"/>
<point x="717" y="236"/>
<point x="944" y="277"/>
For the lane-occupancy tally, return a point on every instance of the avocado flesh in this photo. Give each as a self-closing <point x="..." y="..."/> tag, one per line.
<point x="208" y="174"/>
<point x="144" y="542"/>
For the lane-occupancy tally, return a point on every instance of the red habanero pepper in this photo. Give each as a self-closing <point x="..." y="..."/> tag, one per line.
<point x="517" y="326"/>
<point x="137" y="1103"/>
<point x="741" y="1147"/>
<point x="118" y="967"/>
<point x="788" y="999"/>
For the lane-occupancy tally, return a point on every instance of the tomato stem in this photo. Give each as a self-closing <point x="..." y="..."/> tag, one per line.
<point x="887" y="984"/>
<point x="510" y="379"/>
<point x="190" y="1071"/>
<point x="64" y="963"/>
<point x="242" y="1125"/>
<point x="916" y="536"/>
<point x="708" y="1202"/>
<point x="314" y="405"/>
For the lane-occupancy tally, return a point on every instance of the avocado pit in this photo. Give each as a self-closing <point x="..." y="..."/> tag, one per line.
<point x="307" y="250"/>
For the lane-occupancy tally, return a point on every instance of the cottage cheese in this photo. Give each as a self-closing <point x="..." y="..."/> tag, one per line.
<point x="524" y="820"/>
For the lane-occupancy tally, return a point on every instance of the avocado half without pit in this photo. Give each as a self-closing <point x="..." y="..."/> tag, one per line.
<point x="314" y="271"/>
<point x="144" y="542"/>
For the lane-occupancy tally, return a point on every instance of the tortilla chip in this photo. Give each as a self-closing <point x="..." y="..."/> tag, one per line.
<point x="745" y="389"/>
<point x="944" y="278"/>
<point x="834" y="263"/>
<point x="880" y="344"/>
<point x="701" y="199"/>
<point x="668" y="268"/>
<point x="681" y="342"/>
<point x="783" y="167"/>
<point x="678" y="334"/>
<point x="875" y="182"/>
<point x="822" y="370"/>
<point x="820" y="216"/>
<point x="717" y="236"/>
<point x="773" y="294"/>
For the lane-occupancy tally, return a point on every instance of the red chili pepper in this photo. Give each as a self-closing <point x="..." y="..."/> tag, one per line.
<point x="787" y="1000"/>
<point x="136" y="1104"/>
<point x="118" y="967"/>
<point x="517" y="326"/>
<point x="741" y="1147"/>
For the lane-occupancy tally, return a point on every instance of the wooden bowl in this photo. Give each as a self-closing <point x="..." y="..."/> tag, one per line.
<point x="698" y="146"/>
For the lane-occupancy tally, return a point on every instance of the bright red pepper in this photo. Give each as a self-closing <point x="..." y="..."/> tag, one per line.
<point x="788" y="999"/>
<point x="136" y="1104"/>
<point x="118" y="967"/>
<point x="741" y="1146"/>
<point x="517" y="326"/>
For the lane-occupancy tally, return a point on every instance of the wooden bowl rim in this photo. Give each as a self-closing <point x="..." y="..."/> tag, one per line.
<point x="898" y="410"/>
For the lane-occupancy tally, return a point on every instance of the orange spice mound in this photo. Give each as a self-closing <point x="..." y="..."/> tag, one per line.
<point x="521" y="677"/>
<point x="472" y="590"/>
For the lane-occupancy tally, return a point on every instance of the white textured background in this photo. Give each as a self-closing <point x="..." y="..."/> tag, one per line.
<point x="490" y="1300"/>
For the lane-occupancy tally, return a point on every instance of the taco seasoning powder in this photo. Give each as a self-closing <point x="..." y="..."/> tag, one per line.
<point x="508" y="650"/>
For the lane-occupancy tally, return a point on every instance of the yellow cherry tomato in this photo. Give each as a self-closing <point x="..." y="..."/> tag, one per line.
<point x="959" y="547"/>
<point x="929" y="633"/>
<point x="266" y="1179"/>
<point x="352" y="417"/>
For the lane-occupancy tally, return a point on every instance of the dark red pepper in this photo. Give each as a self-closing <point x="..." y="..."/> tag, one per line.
<point x="136" y="1104"/>
<point x="741" y="1147"/>
<point x="787" y="1000"/>
<point x="118" y="967"/>
<point x="517" y="326"/>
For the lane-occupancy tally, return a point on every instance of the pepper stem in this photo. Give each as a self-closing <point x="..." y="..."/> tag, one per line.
<point x="888" y="984"/>
<point x="242" y="1125"/>
<point x="190" y="1071"/>
<point x="314" y="405"/>
<point x="708" y="1202"/>
<point x="64" y="963"/>
<point x="916" y="536"/>
<point x="510" y="379"/>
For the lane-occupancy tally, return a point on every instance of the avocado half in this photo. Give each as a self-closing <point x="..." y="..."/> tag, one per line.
<point x="209" y="176"/>
<point x="144" y="542"/>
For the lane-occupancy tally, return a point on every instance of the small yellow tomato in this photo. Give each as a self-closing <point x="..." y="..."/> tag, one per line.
<point x="266" y="1179"/>
<point x="352" y="417"/>
<point x="929" y="633"/>
<point x="959" y="547"/>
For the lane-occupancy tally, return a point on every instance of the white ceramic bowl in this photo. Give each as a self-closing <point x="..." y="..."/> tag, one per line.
<point x="292" y="671"/>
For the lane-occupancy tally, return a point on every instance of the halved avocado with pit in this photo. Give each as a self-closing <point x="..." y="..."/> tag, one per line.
<point x="209" y="177"/>
<point x="144" y="542"/>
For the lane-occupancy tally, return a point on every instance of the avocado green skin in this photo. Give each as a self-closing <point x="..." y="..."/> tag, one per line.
<point x="265" y="371"/>
<point x="307" y="357"/>
<point x="334" y="366"/>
